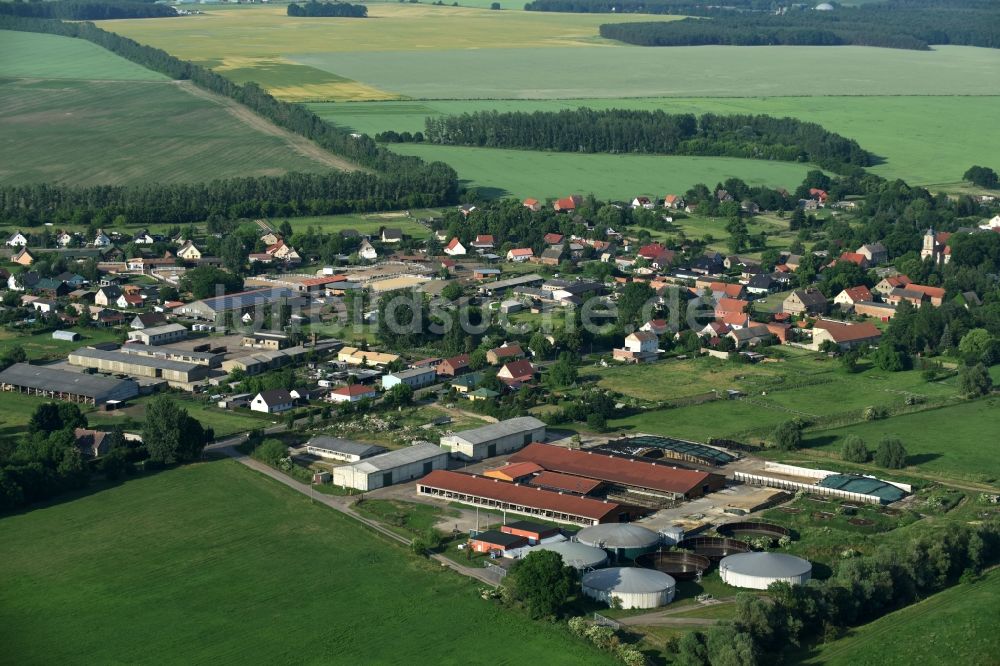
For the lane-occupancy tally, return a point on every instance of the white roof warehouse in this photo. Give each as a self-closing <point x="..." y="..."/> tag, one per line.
<point x="495" y="439"/>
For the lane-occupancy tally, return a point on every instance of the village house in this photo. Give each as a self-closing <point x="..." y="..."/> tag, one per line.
<point x="391" y="235"/>
<point x="749" y="336"/>
<point x="367" y="251"/>
<point x="23" y="257"/>
<point x="553" y="239"/>
<point x="352" y="393"/>
<point x="640" y="347"/>
<point x="568" y="204"/>
<point x="917" y="295"/>
<point x="551" y="256"/>
<point x="643" y="202"/>
<point x="517" y="372"/>
<point x="887" y="284"/>
<point x="520" y="254"/>
<point x="504" y="353"/>
<point x="274" y="401"/>
<point x="188" y="252"/>
<point x="804" y="301"/>
<point x="454" y="248"/>
<point x="874" y="253"/>
<point x="454" y="366"/>
<point x="673" y="201"/>
<point x="17" y="239"/>
<point x="107" y="296"/>
<point x="532" y="204"/>
<point x="101" y="239"/>
<point x="483" y="242"/>
<point x="848" y="298"/>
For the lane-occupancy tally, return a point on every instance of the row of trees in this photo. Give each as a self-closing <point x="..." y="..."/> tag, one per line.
<point x="861" y="589"/>
<point x="686" y="7"/>
<point x="86" y="10"/>
<point x="46" y="461"/>
<point x="895" y="24"/>
<point x="631" y="131"/>
<point x="334" y="9"/>
<point x="398" y="182"/>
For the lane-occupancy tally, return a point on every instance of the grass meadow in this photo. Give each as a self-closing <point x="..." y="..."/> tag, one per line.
<point x="36" y="55"/>
<point x="922" y="139"/>
<point x="953" y="626"/>
<point x="214" y="563"/>
<point x="523" y="173"/>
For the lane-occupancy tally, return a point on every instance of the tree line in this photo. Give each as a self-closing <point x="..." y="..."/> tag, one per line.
<point x="335" y="9"/>
<point x="84" y="10"/>
<point x="632" y="131"/>
<point x="399" y="182"/>
<point x="894" y="24"/>
<point x="685" y="7"/>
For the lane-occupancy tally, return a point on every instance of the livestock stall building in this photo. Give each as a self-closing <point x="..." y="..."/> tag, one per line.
<point x="638" y="477"/>
<point x="518" y="499"/>
<point x="495" y="439"/>
<point x="159" y="335"/>
<point x="393" y="467"/>
<point x="66" y="385"/>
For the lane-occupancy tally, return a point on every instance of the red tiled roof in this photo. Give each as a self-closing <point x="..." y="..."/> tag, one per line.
<point x="526" y="496"/>
<point x="854" y="258"/>
<point x="557" y="481"/>
<point x="552" y="238"/>
<point x="522" y="370"/>
<point x="521" y="252"/>
<point x="508" y="351"/>
<point x="353" y="389"/>
<point x="929" y="292"/>
<point x="730" y="290"/>
<point x="625" y="471"/>
<point x="454" y="242"/>
<point x="859" y="293"/>
<point x="651" y="251"/>
<point x="731" y="305"/>
<point x="531" y="202"/>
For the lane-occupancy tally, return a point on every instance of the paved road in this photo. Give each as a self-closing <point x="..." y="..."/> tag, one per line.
<point x="336" y="502"/>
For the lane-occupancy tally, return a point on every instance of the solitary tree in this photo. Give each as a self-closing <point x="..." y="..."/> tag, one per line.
<point x="890" y="453"/>
<point x="170" y="435"/>
<point x="854" y="450"/>
<point x="981" y="176"/>
<point x="788" y="435"/>
<point x="541" y="582"/>
<point x="975" y="381"/>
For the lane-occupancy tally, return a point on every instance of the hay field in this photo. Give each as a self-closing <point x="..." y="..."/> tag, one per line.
<point x="523" y="173"/>
<point x="263" y="44"/>
<point x="553" y="72"/>
<point x="124" y="124"/>
<point x="923" y="139"/>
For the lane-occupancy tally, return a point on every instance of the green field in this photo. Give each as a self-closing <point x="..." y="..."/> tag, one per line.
<point x="633" y="71"/>
<point x="364" y="224"/>
<point x="73" y="117"/>
<point x="922" y="139"/>
<point x="34" y="55"/>
<point x="958" y="440"/>
<point x="41" y="346"/>
<point x="522" y="173"/>
<point x="956" y="626"/>
<point x="213" y="563"/>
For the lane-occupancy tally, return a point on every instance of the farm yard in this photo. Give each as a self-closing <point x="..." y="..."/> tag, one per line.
<point x="188" y="557"/>
<point x="123" y="124"/>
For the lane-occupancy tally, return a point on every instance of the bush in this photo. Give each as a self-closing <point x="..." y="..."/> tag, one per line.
<point x="975" y="381"/>
<point x="854" y="450"/>
<point x="788" y="435"/>
<point x="271" y="451"/>
<point x="890" y="454"/>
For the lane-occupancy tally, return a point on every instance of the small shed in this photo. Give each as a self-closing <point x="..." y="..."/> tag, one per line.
<point x="68" y="336"/>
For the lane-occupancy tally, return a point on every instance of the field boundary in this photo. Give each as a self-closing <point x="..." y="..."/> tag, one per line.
<point x="299" y="144"/>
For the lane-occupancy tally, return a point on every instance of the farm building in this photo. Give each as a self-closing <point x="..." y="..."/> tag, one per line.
<point x="623" y="541"/>
<point x="520" y="472"/>
<point x="564" y="482"/>
<point x="66" y="385"/>
<point x="495" y="439"/>
<point x="265" y="340"/>
<point x="521" y="500"/>
<point x="631" y="586"/>
<point x="414" y="378"/>
<point x="347" y="450"/>
<point x="577" y="555"/>
<point x="533" y="532"/>
<point x="159" y="335"/>
<point x="493" y="541"/>
<point x="756" y="571"/>
<point x="650" y="478"/>
<point x="393" y="467"/>
<point x="238" y="304"/>
<point x="176" y="373"/>
<point x="66" y="336"/>
<point x="209" y="359"/>
<point x="866" y="485"/>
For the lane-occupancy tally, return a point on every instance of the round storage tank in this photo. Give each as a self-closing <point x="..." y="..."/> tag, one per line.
<point x="577" y="555"/>
<point x="758" y="570"/>
<point x="633" y="587"/>
<point x="623" y="541"/>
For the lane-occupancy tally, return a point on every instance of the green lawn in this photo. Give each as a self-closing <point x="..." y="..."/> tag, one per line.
<point x="409" y="519"/>
<point x="41" y="346"/>
<point x="959" y="440"/>
<point x="35" y="55"/>
<point x="365" y="224"/>
<point x="575" y="72"/>
<point x="956" y="626"/>
<point x="522" y="173"/>
<point x="212" y="563"/>
<point x="222" y="421"/>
